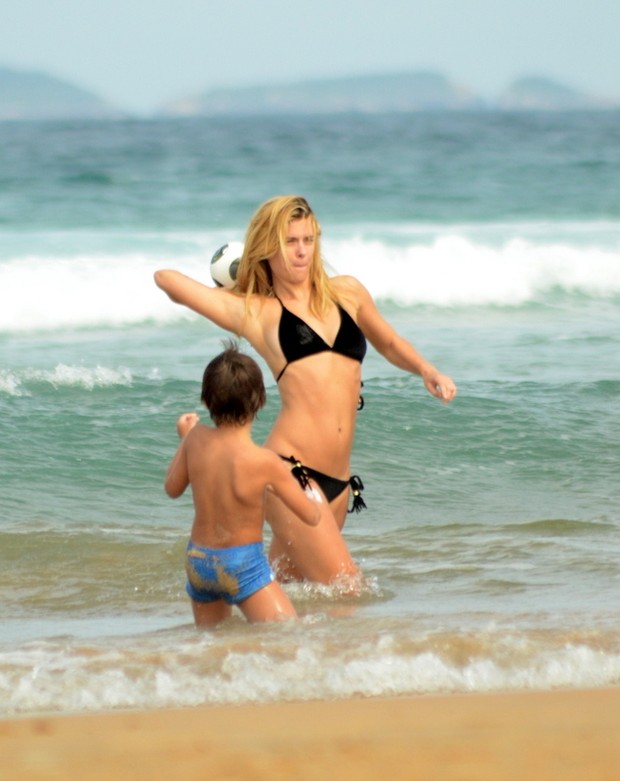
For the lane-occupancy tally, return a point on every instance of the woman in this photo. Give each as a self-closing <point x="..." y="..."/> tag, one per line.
<point x="311" y="330"/>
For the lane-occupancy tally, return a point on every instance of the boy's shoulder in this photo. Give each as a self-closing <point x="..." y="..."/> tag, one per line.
<point x="260" y="461"/>
<point x="202" y="429"/>
<point x="260" y="454"/>
<point x="199" y="435"/>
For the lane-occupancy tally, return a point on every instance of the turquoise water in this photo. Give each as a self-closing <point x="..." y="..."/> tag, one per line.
<point x="490" y="546"/>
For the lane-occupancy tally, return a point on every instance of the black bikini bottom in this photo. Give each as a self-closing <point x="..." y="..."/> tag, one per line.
<point x="332" y="487"/>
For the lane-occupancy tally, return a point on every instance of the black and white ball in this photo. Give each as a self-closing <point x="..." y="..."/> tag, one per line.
<point x="225" y="264"/>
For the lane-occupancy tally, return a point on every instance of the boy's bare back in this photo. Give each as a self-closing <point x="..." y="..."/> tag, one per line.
<point x="229" y="475"/>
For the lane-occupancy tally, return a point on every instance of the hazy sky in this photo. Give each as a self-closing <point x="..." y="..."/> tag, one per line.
<point x="138" y="54"/>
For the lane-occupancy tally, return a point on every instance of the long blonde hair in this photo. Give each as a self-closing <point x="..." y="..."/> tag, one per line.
<point x="266" y="235"/>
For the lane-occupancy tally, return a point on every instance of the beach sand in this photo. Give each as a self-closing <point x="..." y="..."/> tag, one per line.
<point x="565" y="735"/>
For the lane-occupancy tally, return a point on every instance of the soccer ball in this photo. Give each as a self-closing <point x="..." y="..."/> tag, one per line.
<point x="225" y="263"/>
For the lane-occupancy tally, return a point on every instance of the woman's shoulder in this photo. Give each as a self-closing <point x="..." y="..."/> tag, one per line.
<point x="348" y="290"/>
<point x="345" y="283"/>
<point x="264" y="309"/>
<point x="259" y="313"/>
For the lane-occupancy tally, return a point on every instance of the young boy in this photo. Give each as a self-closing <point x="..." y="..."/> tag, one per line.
<point x="229" y="474"/>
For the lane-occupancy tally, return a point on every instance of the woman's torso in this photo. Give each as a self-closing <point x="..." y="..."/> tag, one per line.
<point x="319" y="391"/>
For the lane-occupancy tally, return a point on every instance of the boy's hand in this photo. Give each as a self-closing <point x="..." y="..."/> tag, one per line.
<point x="186" y="423"/>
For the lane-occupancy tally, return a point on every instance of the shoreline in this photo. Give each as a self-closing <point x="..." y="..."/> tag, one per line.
<point x="568" y="735"/>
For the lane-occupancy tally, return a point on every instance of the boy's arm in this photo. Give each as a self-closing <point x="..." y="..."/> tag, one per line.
<point x="177" y="475"/>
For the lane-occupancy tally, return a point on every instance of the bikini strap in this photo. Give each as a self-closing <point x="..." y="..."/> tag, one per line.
<point x="357" y="487"/>
<point x="284" y="368"/>
<point x="298" y="471"/>
<point x="303" y="475"/>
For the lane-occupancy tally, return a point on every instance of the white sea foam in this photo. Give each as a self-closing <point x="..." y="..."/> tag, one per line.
<point x="45" y="293"/>
<point x="455" y="270"/>
<point x="65" y="677"/>
<point x="19" y="382"/>
<point x="450" y="268"/>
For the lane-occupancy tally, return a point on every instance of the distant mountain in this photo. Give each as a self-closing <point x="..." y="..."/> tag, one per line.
<point x="31" y="95"/>
<point x="538" y="92"/>
<point x="38" y="96"/>
<point x="365" y="94"/>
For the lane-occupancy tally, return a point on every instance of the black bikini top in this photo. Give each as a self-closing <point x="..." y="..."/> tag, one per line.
<point x="298" y="340"/>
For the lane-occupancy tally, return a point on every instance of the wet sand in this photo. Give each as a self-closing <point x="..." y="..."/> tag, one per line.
<point x="565" y="735"/>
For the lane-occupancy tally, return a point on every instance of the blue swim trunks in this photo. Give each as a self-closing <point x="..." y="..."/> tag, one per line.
<point x="231" y="574"/>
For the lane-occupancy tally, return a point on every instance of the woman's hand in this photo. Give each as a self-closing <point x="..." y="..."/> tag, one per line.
<point x="439" y="385"/>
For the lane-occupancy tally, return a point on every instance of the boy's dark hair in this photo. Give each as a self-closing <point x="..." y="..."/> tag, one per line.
<point x="232" y="387"/>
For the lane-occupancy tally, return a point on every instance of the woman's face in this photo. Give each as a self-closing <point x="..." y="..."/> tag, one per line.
<point x="299" y="247"/>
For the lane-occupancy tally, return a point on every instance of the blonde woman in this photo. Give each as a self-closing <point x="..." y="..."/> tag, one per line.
<point x="311" y="330"/>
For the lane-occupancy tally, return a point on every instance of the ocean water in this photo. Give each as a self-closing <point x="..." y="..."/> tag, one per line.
<point x="491" y="543"/>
